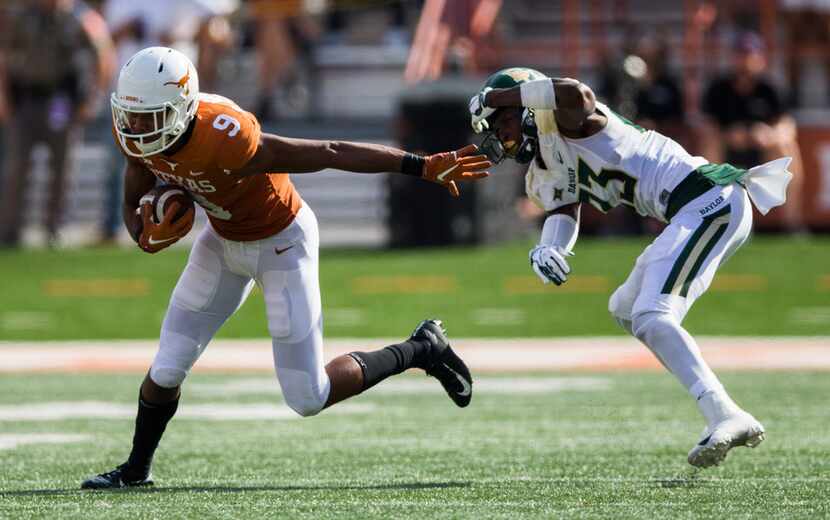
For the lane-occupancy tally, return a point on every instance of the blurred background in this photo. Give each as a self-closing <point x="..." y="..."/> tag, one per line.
<point x="738" y="81"/>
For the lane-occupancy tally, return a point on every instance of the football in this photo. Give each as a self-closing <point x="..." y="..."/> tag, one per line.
<point x="162" y="196"/>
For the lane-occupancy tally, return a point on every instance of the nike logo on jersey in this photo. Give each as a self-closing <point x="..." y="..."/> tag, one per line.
<point x="154" y="242"/>
<point x="441" y="176"/>
<point x="466" y="389"/>
<point x="196" y="174"/>
<point x="281" y="251"/>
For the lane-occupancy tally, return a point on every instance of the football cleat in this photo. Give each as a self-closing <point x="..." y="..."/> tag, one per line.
<point x="443" y="364"/>
<point x="118" y="478"/>
<point x="740" y="429"/>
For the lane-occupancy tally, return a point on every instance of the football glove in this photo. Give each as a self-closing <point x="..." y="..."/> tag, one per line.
<point x="460" y="165"/>
<point x="549" y="264"/>
<point x="155" y="237"/>
<point x="479" y="111"/>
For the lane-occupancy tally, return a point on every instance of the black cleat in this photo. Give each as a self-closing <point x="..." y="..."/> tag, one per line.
<point x="118" y="478"/>
<point x="444" y="364"/>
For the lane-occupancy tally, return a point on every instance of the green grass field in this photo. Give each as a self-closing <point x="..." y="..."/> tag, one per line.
<point x="773" y="286"/>
<point x="580" y="445"/>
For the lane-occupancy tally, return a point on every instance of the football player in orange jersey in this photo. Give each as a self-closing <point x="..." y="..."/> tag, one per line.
<point x="260" y="232"/>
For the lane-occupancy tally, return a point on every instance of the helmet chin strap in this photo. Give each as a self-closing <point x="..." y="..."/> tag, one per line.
<point x="526" y="151"/>
<point x="530" y="135"/>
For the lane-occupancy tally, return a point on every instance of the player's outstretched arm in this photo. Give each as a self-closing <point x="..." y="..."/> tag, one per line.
<point x="559" y="235"/>
<point x="572" y="102"/>
<point x="283" y="154"/>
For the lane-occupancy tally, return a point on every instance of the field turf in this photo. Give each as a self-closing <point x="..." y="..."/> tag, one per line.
<point x="773" y="286"/>
<point x="547" y="445"/>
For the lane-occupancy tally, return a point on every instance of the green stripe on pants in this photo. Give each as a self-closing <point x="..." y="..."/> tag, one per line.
<point x="695" y="251"/>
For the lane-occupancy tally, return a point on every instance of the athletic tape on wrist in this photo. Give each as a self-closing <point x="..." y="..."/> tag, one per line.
<point x="539" y="94"/>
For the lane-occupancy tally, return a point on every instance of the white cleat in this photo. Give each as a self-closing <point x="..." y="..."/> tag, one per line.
<point x="740" y="429"/>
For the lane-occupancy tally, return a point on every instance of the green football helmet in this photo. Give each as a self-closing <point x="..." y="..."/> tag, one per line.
<point x="492" y="145"/>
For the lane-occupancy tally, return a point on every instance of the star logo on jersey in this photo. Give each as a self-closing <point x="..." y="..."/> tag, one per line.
<point x="557" y="194"/>
<point x="172" y="165"/>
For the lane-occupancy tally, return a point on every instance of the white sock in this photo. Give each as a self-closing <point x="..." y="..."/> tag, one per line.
<point x="679" y="353"/>
<point x="716" y="406"/>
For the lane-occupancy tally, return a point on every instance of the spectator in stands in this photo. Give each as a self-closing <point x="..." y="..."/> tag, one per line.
<point x="746" y="123"/>
<point x="642" y="86"/>
<point x="283" y="31"/>
<point x="659" y="97"/>
<point x="807" y="25"/>
<point x="198" y="28"/>
<point x="56" y="58"/>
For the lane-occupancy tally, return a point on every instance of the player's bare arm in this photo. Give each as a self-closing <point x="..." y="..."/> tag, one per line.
<point x="138" y="180"/>
<point x="283" y="154"/>
<point x="573" y="103"/>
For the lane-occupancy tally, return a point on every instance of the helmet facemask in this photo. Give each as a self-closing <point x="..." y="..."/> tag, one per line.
<point x="166" y="124"/>
<point x="495" y="150"/>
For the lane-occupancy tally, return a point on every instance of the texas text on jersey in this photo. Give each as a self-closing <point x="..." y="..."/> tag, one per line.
<point x="223" y="138"/>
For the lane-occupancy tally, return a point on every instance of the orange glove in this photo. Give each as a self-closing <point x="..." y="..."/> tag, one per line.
<point x="155" y="237"/>
<point x="460" y="165"/>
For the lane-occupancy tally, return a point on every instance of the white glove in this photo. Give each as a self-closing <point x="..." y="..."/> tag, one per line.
<point x="549" y="263"/>
<point x="479" y="112"/>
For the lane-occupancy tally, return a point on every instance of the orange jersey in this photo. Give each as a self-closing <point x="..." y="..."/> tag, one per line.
<point x="224" y="139"/>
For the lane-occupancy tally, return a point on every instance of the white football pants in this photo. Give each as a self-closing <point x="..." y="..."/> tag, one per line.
<point x="674" y="271"/>
<point x="219" y="276"/>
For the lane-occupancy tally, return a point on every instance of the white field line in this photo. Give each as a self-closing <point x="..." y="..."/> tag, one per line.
<point x="494" y="355"/>
<point x="419" y="385"/>
<point x="10" y="441"/>
<point x="58" y="411"/>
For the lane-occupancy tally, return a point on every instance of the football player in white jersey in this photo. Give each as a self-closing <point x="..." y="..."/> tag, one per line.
<point x="579" y="151"/>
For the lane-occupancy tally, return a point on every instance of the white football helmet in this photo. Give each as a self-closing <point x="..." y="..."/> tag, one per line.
<point x="156" y="99"/>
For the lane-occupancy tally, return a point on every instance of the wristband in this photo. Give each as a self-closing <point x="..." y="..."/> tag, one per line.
<point x="538" y="93"/>
<point x="413" y="165"/>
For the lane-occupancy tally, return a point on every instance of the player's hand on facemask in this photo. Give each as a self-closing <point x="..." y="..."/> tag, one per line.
<point x="549" y="264"/>
<point x="479" y="111"/>
<point x="466" y="164"/>
<point x="155" y="237"/>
